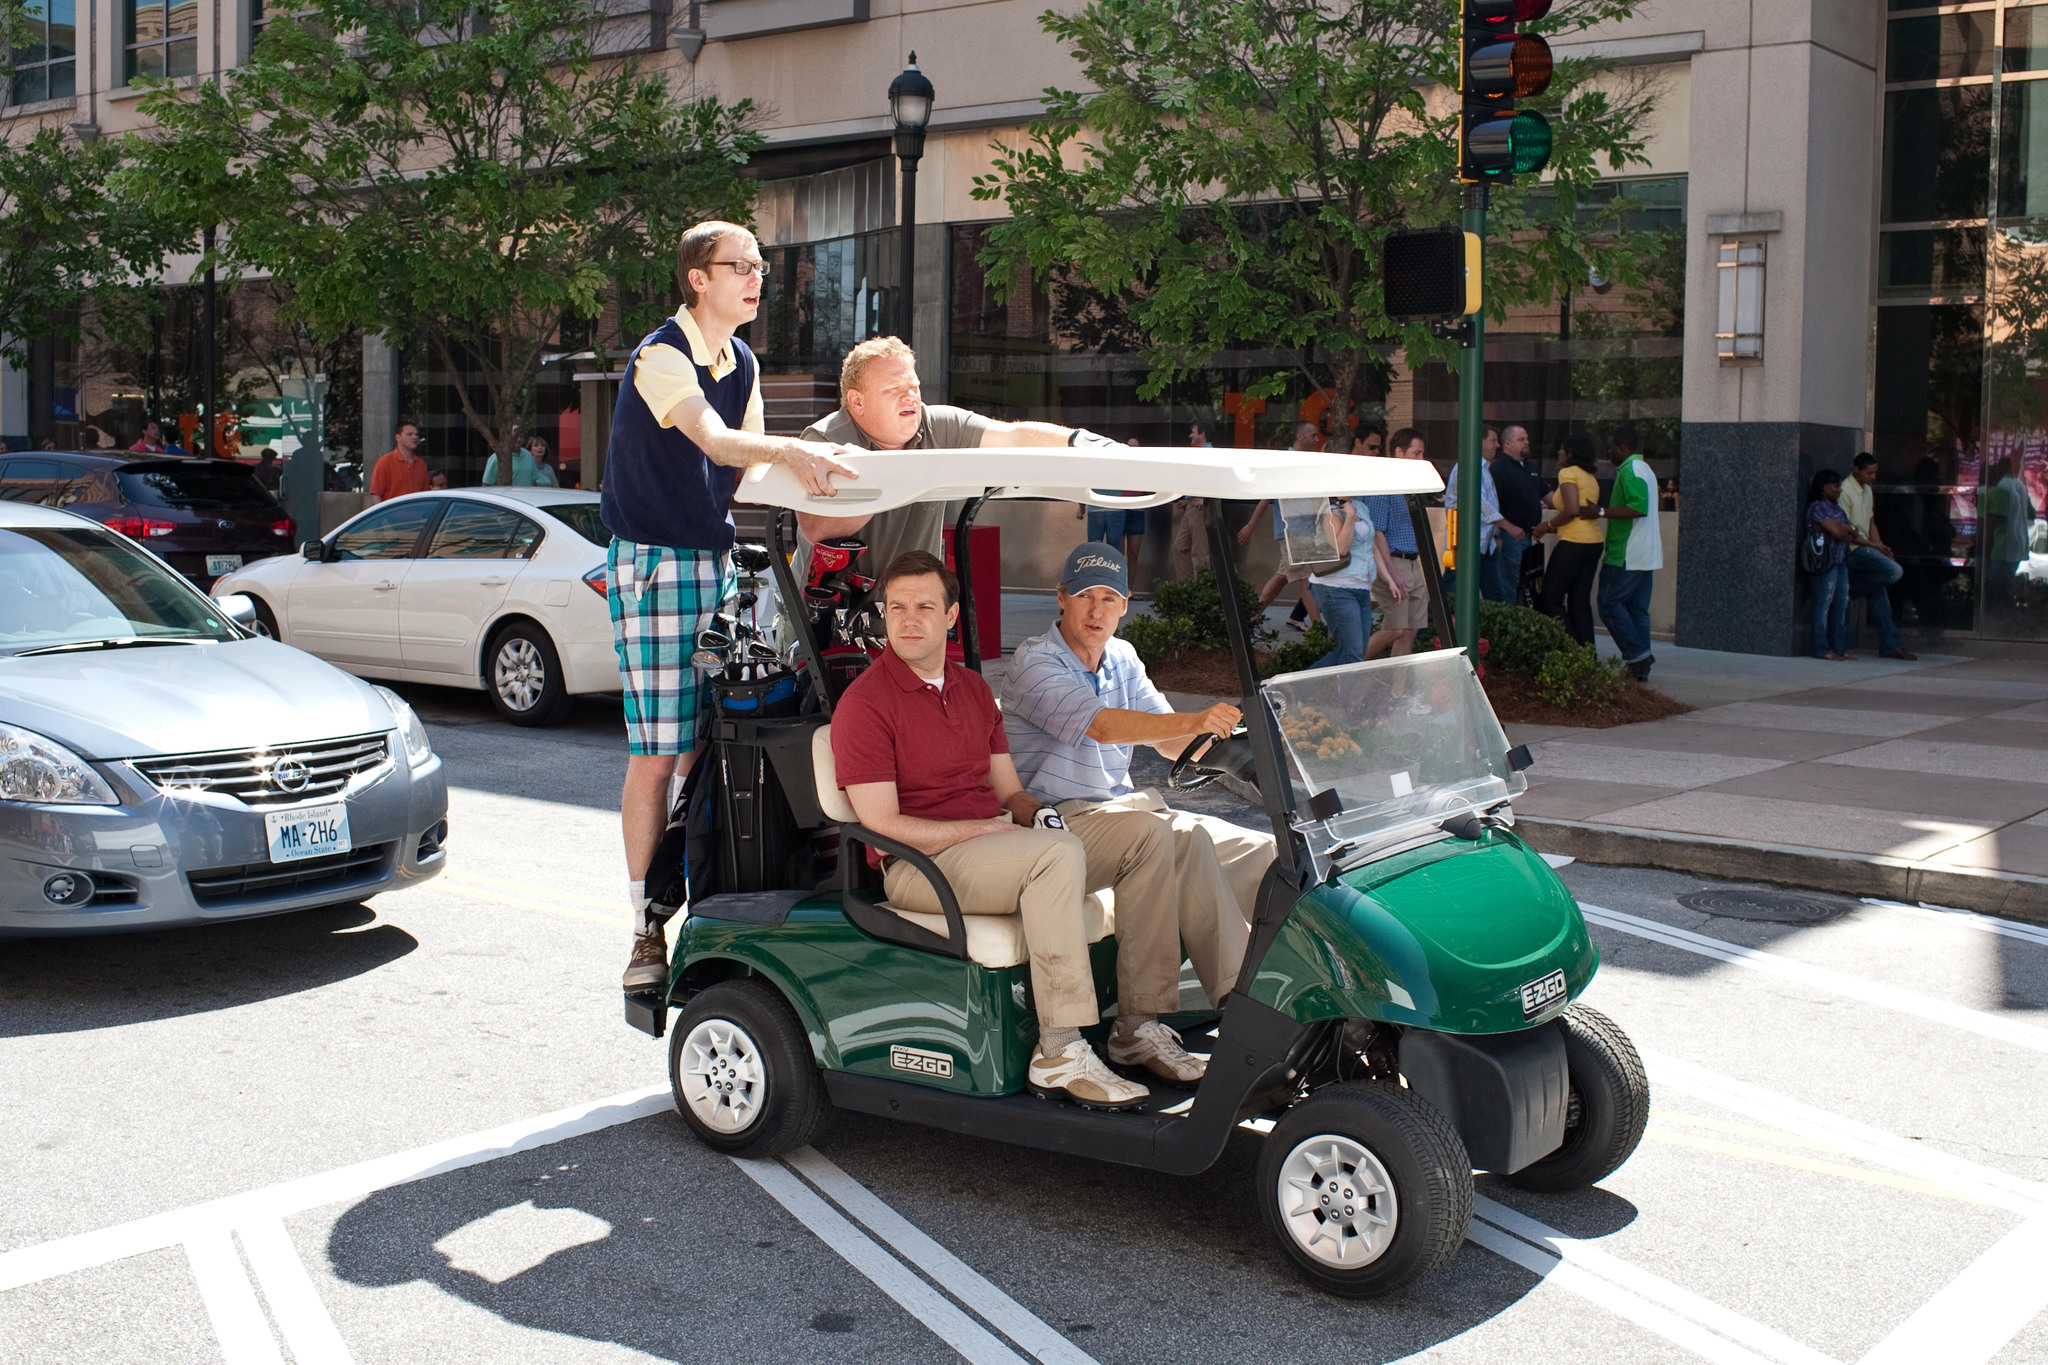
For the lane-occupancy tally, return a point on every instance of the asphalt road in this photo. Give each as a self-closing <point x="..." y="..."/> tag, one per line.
<point x="417" y="1130"/>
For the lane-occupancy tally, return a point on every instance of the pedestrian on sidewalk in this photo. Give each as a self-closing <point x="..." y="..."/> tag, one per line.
<point x="1489" y="517"/>
<point x="1190" y="549"/>
<point x="1824" y="517"/>
<point x="1307" y="436"/>
<point x="1873" y="568"/>
<point x="1569" y="576"/>
<point x="1398" y="593"/>
<point x="1635" y="551"/>
<point x="689" y="418"/>
<point x="401" y="469"/>
<point x="1519" y="511"/>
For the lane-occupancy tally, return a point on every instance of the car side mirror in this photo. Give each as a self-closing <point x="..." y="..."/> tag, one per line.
<point x="314" y="550"/>
<point x="240" y="608"/>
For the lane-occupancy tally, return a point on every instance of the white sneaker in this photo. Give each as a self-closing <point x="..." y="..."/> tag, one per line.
<point x="1157" y="1048"/>
<point x="1077" y="1074"/>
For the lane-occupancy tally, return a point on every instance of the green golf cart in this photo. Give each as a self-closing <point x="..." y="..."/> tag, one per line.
<point x="1405" y="1011"/>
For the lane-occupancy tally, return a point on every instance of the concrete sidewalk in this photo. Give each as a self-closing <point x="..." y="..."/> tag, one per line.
<point x="1919" y="782"/>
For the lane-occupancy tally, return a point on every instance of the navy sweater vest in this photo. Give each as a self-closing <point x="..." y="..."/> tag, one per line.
<point x="659" y="487"/>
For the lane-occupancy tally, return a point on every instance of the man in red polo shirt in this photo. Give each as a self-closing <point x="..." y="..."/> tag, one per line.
<point x="920" y="749"/>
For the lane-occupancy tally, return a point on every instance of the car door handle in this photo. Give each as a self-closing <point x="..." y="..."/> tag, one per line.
<point x="386" y="586"/>
<point x="493" y="582"/>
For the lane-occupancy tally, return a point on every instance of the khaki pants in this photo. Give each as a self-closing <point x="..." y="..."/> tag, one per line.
<point x="1182" y="881"/>
<point x="1190" y="537"/>
<point x="1038" y="873"/>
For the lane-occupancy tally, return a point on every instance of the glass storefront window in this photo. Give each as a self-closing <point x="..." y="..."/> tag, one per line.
<point x="1939" y="46"/>
<point x="2026" y="40"/>
<point x="46" y="67"/>
<point x="162" y="38"/>
<point x="1937" y="146"/>
<point x="1931" y="260"/>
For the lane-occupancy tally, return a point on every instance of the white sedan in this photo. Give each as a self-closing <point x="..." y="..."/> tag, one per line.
<point x="500" y="589"/>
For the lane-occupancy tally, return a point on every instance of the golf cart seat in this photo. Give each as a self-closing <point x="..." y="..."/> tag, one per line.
<point x="988" y="940"/>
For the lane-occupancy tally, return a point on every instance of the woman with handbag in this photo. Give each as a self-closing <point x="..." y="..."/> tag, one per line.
<point x="1824" y="555"/>
<point x="1344" y="592"/>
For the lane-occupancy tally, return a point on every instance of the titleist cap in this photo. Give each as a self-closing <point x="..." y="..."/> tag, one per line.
<point x="1095" y="565"/>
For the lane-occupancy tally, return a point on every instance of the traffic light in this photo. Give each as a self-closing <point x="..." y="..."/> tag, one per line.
<point x="1498" y="66"/>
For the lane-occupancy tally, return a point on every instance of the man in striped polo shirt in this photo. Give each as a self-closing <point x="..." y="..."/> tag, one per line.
<point x="1075" y="704"/>
<point x="689" y="417"/>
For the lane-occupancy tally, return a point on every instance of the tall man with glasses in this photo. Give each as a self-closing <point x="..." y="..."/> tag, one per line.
<point x="689" y="417"/>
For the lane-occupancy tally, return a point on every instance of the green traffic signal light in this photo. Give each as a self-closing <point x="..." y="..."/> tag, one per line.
<point x="1516" y="143"/>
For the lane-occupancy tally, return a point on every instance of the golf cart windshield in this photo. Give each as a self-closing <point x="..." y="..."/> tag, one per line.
<point x="1397" y="745"/>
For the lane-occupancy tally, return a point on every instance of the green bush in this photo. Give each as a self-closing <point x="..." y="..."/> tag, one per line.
<point x="1520" y="639"/>
<point x="1576" y="677"/>
<point x="1297" y="655"/>
<point x="1187" y="618"/>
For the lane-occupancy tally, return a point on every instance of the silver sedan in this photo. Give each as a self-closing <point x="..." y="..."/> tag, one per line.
<point x="162" y="764"/>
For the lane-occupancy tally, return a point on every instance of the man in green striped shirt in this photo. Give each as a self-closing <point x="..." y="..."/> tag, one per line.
<point x="1635" y="551"/>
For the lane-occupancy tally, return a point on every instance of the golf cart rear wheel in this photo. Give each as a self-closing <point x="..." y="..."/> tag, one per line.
<point x="523" y="674"/>
<point x="1609" y="1106"/>
<point x="742" y="1072"/>
<point x="1366" y="1187"/>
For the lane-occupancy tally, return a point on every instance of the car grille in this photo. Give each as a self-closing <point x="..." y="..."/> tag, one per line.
<point x="252" y="776"/>
<point x="281" y="881"/>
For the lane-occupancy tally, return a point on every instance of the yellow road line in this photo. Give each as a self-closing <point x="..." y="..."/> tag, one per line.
<point x="1803" y="1163"/>
<point x="1661" y="1115"/>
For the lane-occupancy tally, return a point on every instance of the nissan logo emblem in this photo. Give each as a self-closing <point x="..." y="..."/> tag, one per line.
<point x="290" y="775"/>
<point x="225" y="525"/>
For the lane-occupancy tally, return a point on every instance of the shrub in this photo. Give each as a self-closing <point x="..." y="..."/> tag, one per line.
<point x="1576" y="677"/>
<point x="1187" y="618"/>
<point x="1520" y="638"/>
<point x="1298" y="655"/>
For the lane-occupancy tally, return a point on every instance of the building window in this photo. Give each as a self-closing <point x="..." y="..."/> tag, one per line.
<point x="46" y="67"/>
<point x="163" y="38"/>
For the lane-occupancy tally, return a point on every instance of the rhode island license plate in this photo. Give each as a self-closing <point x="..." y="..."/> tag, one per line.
<point x="220" y="564"/>
<point x="310" y="832"/>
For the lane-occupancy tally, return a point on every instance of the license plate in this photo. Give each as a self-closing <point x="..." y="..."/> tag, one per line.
<point x="309" y="833"/>
<point x="220" y="564"/>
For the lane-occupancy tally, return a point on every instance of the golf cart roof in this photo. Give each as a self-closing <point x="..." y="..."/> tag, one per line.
<point x="1090" y="474"/>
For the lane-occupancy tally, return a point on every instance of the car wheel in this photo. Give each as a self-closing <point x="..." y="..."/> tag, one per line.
<point x="266" y="619"/>
<point x="1607" y="1106"/>
<point x="523" y="674"/>
<point x="742" y="1072"/>
<point x="1366" y="1187"/>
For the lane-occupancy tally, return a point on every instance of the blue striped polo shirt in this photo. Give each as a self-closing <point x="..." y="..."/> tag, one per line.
<point x="1049" y="701"/>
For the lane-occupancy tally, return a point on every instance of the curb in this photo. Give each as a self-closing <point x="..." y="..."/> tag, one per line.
<point x="2012" y="895"/>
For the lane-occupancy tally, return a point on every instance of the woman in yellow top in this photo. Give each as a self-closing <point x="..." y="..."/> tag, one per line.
<point x="1568" y="577"/>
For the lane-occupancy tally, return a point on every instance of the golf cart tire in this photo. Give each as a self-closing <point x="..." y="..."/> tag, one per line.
<point x="1429" y="1170"/>
<point x="555" y="703"/>
<point x="794" y="1108"/>
<point x="1611" y="1091"/>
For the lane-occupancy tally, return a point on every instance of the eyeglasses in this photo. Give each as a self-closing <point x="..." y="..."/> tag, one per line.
<point x="745" y="268"/>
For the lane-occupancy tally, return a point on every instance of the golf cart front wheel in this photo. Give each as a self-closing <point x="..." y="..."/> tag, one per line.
<point x="742" y="1072"/>
<point x="1366" y="1187"/>
<point x="1606" y="1111"/>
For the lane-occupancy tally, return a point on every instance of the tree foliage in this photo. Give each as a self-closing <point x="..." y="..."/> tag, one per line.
<point x="1242" y="161"/>
<point x="474" y="175"/>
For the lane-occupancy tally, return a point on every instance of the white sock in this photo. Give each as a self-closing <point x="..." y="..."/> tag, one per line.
<point x="1128" y="1024"/>
<point x="1052" y="1040"/>
<point x="636" y="896"/>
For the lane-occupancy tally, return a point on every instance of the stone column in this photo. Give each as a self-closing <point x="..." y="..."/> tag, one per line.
<point x="930" y="328"/>
<point x="1783" y="150"/>
<point x="381" y="389"/>
<point x="13" y="407"/>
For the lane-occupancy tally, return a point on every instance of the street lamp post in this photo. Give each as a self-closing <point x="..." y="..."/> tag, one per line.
<point x="910" y="108"/>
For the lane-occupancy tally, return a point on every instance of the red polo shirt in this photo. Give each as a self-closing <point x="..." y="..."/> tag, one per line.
<point x="933" y="743"/>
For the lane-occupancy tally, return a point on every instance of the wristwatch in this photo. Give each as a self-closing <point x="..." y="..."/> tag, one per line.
<point x="1047" y="818"/>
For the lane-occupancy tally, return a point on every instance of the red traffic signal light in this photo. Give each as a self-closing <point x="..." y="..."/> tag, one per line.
<point x="1499" y="66"/>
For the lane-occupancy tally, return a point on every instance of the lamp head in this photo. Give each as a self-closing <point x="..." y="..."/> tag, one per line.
<point x="910" y="99"/>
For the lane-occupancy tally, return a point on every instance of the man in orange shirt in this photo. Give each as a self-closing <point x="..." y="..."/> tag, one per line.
<point x="400" y="470"/>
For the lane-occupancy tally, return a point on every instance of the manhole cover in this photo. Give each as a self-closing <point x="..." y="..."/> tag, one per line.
<point x="1769" y="907"/>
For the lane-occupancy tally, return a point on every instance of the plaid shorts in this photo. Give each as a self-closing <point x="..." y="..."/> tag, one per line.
<point x="660" y="599"/>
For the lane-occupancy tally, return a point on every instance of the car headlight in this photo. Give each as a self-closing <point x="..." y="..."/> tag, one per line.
<point x="44" y="772"/>
<point x="417" y="748"/>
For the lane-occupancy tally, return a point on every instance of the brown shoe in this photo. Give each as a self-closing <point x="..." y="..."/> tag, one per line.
<point x="1908" y="655"/>
<point x="648" y="969"/>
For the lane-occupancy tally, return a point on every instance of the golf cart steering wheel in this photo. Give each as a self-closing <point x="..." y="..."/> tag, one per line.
<point x="1181" y="779"/>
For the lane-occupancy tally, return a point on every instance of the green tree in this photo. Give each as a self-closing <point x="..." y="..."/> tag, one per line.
<point x="474" y="175"/>
<point x="1243" y="160"/>
<point x="73" y="247"/>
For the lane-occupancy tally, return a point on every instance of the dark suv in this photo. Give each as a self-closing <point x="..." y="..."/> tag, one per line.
<point x="203" y="517"/>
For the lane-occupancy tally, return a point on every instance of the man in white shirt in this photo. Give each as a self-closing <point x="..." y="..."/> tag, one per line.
<point x="1873" y="568"/>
